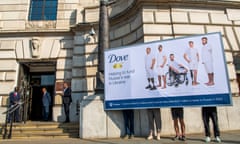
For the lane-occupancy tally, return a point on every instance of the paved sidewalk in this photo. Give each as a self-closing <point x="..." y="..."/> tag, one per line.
<point x="229" y="137"/>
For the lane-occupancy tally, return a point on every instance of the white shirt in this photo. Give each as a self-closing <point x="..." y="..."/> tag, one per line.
<point x="207" y="53"/>
<point x="192" y="54"/>
<point x="174" y="64"/>
<point x="160" y="58"/>
<point x="148" y="60"/>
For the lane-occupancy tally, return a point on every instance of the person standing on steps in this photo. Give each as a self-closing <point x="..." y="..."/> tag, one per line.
<point x="46" y="101"/>
<point x="67" y="99"/>
<point x="14" y="97"/>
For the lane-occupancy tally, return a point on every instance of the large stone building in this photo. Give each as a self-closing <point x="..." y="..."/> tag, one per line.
<point x="44" y="43"/>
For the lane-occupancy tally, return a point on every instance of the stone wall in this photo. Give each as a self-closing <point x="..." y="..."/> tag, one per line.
<point x="8" y="68"/>
<point x="84" y="64"/>
<point x="151" y="21"/>
<point x="15" y="50"/>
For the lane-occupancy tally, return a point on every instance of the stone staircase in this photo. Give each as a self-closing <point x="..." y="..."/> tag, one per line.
<point x="43" y="130"/>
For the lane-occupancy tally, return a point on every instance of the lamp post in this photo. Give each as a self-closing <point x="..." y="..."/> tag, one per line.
<point x="103" y="43"/>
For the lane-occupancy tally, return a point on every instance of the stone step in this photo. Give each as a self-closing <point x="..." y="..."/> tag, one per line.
<point x="44" y="124"/>
<point x="46" y="135"/>
<point x="44" y="130"/>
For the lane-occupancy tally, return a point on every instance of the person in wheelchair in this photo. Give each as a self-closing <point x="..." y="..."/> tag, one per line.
<point x="177" y="72"/>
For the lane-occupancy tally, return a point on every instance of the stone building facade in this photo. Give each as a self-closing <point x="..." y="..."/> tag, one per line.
<point x="46" y="53"/>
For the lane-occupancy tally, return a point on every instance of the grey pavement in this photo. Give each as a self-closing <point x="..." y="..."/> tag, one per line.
<point x="228" y="137"/>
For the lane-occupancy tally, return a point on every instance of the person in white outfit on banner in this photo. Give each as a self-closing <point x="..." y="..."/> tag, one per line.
<point x="192" y="57"/>
<point x="207" y="60"/>
<point x="149" y="66"/>
<point x="161" y="66"/>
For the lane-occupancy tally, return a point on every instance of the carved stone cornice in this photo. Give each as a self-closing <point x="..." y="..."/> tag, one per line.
<point x="40" y="25"/>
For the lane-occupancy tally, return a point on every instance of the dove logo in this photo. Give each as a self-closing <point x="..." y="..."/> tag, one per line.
<point x="115" y="58"/>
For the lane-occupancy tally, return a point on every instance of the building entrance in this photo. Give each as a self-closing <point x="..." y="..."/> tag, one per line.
<point x="37" y="82"/>
<point x="34" y="77"/>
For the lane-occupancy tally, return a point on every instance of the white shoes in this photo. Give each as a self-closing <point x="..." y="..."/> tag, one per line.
<point x="218" y="139"/>
<point x="158" y="136"/>
<point x="207" y="139"/>
<point x="150" y="137"/>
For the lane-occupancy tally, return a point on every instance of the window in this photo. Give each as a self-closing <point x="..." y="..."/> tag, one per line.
<point x="47" y="80"/>
<point x="43" y="10"/>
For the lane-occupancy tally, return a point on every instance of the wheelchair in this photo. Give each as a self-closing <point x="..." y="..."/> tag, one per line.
<point x="175" y="79"/>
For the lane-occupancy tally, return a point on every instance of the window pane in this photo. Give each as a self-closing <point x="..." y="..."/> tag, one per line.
<point x="36" y="11"/>
<point x="37" y="4"/>
<point x="49" y="10"/>
<point x="47" y="79"/>
<point x="50" y="3"/>
<point x="43" y="10"/>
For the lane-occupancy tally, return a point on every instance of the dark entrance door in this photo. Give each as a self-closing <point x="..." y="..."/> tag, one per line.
<point x="37" y="82"/>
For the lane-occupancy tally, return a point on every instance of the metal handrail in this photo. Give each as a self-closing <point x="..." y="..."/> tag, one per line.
<point x="10" y="115"/>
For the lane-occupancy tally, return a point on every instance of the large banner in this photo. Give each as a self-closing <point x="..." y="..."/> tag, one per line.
<point x="188" y="71"/>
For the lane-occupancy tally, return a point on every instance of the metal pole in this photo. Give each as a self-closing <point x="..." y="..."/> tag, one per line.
<point x="103" y="43"/>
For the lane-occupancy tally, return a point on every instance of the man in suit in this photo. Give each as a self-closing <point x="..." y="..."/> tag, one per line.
<point x="46" y="101"/>
<point x="67" y="99"/>
<point x="14" y="97"/>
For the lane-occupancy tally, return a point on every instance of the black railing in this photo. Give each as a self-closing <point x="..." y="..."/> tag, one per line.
<point x="10" y="115"/>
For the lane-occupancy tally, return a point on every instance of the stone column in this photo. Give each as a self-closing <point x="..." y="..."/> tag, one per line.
<point x="103" y="43"/>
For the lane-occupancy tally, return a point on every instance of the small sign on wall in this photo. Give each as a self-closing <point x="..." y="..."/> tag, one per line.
<point x="59" y="86"/>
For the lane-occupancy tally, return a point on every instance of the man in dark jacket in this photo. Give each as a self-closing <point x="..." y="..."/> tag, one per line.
<point x="67" y="99"/>
<point x="14" y="97"/>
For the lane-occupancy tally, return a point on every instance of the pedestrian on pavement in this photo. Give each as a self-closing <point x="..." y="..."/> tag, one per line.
<point x="154" y="118"/>
<point x="177" y="116"/>
<point x="128" y="116"/>
<point x="207" y="113"/>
